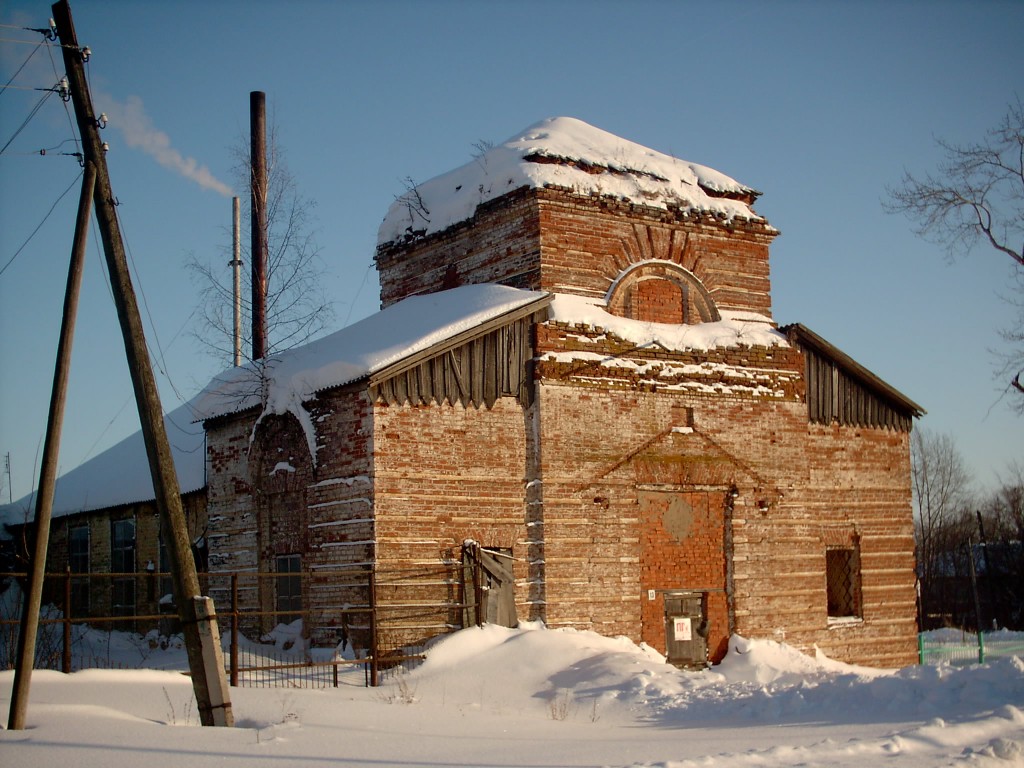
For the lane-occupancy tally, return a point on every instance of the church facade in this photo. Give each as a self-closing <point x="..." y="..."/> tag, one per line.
<point x="577" y="382"/>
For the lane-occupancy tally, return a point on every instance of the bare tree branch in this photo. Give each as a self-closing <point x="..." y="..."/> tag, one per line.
<point x="297" y="305"/>
<point x="977" y="196"/>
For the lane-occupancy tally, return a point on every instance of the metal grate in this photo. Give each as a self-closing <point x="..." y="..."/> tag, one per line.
<point x="842" y="582"/>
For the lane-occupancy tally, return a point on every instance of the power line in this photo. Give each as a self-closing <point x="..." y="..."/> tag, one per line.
<point x="27" y="120"/>
<point x="26" y="61"/>
<point x="67" y="110"/>
<point x="161" y="360"/>
<point x="34" y="231"/>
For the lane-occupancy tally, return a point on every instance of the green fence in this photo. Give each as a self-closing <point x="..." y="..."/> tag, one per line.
<point x="975" y="649"/>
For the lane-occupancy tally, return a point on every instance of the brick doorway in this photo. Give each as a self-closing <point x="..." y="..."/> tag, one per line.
<point x="682" y="551"/>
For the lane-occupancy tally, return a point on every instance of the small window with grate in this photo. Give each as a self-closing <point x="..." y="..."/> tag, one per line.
<point x="78" y="562"/>
<point x="289" y="588"/>
<point x="842" y="567"/>
<point x="122" y="565"/>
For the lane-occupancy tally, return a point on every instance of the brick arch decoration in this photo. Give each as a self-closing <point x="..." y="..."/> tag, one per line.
<point x="279" y="459"/>
<point x="661" y="292"/>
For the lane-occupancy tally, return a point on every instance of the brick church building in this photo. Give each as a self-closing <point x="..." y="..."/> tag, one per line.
<point x="576" y="378"/>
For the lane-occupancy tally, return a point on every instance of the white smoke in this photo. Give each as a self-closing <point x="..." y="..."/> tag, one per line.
<point x="130" y="118"/>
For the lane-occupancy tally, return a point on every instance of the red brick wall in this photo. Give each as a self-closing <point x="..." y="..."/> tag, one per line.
<point x="267" y="498"/>
<point x="586" y="244"/>
<point x="596" y="549"/>
<point x="659" y="301"/>
<point x="604" y="448"/>
<point x="553" y="240"/>
<point x="500" y="245"/>
<point x="444" y="474"/>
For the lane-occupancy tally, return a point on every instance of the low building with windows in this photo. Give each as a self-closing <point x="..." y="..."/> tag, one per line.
<point x="576" y="398"/>
<point x="105" y="537"/>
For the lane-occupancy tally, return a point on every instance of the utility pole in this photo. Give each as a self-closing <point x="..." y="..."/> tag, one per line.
<point x="974" y="586"/>
<point x="989" y="575"/>
<point x="48" y="475"/>
<point x="258" y="220"/>
<point x="7" y="468"/>
<point x="236" y="267"/>
<point x="199" y="623"/>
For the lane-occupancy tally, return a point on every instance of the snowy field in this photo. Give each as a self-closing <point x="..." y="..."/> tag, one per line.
<point x="536" y="697"/>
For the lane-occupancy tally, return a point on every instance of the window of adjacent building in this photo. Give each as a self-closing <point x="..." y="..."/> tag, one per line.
<point x="166" y="596"/>
<point x="122" y="561"/>
<point x="289" y="588"/>
<point x="842" y="570"/>
<point x="78" y="562"/>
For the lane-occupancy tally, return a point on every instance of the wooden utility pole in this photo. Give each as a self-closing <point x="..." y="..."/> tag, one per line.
<point x="205" y="659"/>
<point x="258" y="220"/>
<point x="48" y="473"/>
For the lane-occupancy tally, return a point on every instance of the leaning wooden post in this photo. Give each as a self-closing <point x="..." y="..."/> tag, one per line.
<point x="211" y="694"/>
<point x="48" y="473"/>
<point x="213" y="658"/>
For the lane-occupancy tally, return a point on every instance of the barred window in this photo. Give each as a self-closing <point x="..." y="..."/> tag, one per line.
<point x="78" y="562"/>
<point x="842" y="568"/>
<point x="122" y="561"/>
<point x="289" y="588"/>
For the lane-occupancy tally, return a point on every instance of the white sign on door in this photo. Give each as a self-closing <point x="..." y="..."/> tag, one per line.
<point x="682" y="630"/>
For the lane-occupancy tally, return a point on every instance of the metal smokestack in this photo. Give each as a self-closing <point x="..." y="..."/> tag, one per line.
<point x="236" y="266"/>
<point x="258" y="220"/>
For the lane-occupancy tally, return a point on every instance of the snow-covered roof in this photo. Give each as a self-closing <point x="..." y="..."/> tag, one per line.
<point x="120" y="475"/>
<point x="565" y="152"/>
<point x="284" y="383"/>
<point x="359" y="350"/>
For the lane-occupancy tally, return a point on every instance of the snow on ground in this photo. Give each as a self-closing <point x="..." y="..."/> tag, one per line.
<point x="537" y="697"/>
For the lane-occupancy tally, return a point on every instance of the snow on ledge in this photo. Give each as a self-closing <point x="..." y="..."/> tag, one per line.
<point x="733" y="330"/>
<point x="568" y="153"/>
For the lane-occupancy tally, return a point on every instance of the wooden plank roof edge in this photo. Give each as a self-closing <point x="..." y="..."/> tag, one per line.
<point x="803" y="335"/>
<point x="452" y="342"/>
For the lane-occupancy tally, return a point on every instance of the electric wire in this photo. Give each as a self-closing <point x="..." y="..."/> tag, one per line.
<point x="356" y="297"/>
<point x="67" y="111"/>
<point x="158" y="359"/>
<point x="20" y="42"/>
<point x="32" y="113"/>
<point x="40" y="225"/>
<point x="19" y="88"/>
<point x="47" y="44"/>
<point x="23" y="64"/>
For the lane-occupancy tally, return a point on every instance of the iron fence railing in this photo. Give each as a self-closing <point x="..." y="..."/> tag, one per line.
<point x="973" y="649"/>
<point x="375" y="618"/>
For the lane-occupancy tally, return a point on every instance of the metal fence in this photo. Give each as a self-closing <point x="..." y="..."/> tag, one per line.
<point x="974" y="649"/>
<point x="377" y="620"/>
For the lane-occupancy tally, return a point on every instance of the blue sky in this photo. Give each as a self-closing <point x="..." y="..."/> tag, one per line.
<point x="818" y="105"/>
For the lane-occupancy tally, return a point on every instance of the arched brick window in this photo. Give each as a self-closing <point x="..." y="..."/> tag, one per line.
<point x="661" y="292"/>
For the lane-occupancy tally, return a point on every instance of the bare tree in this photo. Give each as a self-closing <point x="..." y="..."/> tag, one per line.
<point x="297" y="304"/>
<point x="941" y="490"/>
<point x="1004" y="548"/>
<point x="977" y="195"/>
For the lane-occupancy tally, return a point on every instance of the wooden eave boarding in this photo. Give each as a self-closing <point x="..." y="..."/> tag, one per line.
<point x="465" y="367"/>
<point x="827" y="406"/>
